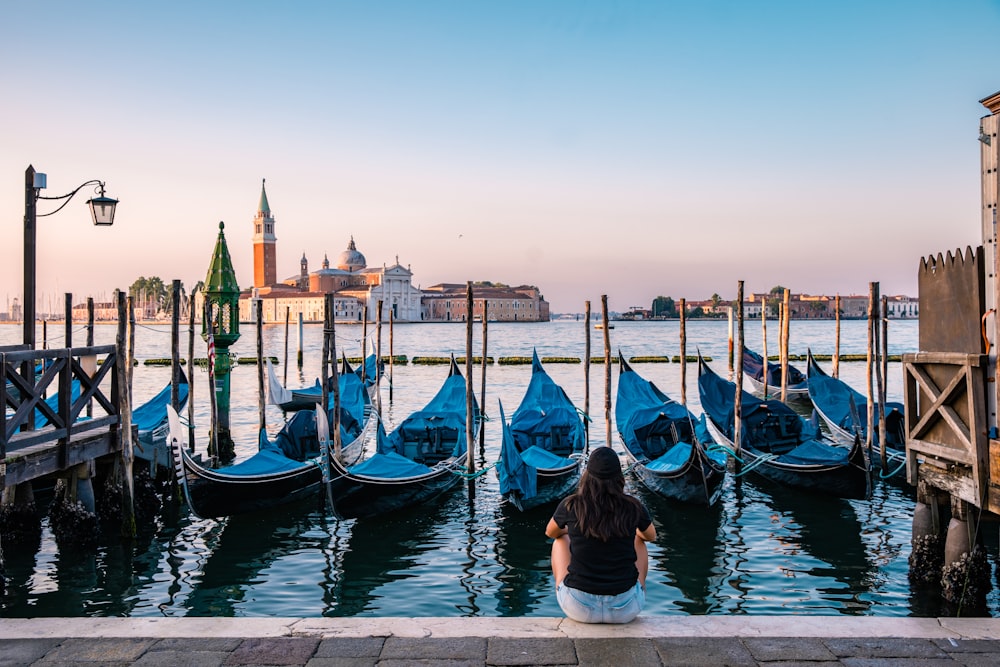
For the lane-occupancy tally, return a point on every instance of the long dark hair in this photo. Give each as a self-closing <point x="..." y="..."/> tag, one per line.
<point x="603" y="510"/>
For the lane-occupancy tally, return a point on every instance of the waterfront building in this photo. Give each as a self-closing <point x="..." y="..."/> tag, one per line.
<point x="358" y="288"/>
<point x="448" y="302"/>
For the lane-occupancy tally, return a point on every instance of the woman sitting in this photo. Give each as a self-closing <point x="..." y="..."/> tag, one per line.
<point x="599" y="556"/>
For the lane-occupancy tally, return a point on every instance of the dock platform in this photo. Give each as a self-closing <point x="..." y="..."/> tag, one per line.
<point x="391" y="642"/>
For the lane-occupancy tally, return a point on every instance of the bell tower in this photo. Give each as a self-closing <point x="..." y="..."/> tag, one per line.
<point x="265" y="272"/>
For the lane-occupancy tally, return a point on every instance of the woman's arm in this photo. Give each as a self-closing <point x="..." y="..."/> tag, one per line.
<point x="553" y="530"/>
<point x="649" y="534"/>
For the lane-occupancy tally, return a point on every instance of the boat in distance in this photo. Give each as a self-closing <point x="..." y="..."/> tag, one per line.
<point x="753" y="372"/>
<point x="542" y="446"/>
<point x="780" y="445"/>
<point x="423" y="457"/>
<point x="283" y="470"/>
<point x="667" y="448"/>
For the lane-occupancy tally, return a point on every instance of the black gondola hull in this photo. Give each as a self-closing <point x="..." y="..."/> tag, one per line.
<point x="213" y="495"/>
<point x="357" y="497"/>
<point x="848" y="480"/>
<point x="698" y="481"/>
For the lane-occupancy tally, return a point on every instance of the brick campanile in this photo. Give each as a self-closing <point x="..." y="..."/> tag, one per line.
<point x="265" y="271"/>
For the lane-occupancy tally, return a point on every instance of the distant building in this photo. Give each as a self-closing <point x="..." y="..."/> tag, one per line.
<point x="448" y="302"/>
<point x="357" y="287"/>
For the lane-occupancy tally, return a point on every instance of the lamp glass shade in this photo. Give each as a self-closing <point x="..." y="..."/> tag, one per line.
<point x="103" y="210"/>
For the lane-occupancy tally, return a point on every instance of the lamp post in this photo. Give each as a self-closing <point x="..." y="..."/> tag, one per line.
<point x="102" y="210"/>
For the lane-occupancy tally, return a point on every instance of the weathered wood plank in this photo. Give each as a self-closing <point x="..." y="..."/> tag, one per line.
<point x="43" y="459"/>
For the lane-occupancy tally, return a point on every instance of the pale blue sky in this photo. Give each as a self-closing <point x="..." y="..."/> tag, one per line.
<point x="623" y="148"/>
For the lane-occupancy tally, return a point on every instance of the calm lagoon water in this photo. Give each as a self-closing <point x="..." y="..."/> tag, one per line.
<point x="761" y="550"/>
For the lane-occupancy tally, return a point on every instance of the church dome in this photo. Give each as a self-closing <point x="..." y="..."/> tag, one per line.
<point x="351" y="259"/>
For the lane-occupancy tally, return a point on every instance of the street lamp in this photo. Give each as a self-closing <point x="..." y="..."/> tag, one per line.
<point x="102" y="210"/>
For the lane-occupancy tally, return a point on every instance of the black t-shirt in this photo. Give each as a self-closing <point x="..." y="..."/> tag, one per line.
<point x="596" y="567"/>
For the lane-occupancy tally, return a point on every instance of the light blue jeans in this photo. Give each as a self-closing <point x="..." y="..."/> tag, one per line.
<point x="590" y="608"/>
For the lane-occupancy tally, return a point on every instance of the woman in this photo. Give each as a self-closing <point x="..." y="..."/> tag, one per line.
<point x="599" y="556"/>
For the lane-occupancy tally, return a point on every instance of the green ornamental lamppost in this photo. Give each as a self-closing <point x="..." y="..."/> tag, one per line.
<point x="222" y="297"/>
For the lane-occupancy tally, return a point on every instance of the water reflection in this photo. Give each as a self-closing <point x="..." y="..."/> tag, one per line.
<point x="681" y="531"/>
<point x="522" y="552"/>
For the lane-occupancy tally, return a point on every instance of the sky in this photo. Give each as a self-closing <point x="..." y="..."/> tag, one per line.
<point x="632" y="149"/>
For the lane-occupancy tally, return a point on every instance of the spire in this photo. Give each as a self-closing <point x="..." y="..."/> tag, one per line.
<point x="263" y="207"/>
<point x="221" y="278"/>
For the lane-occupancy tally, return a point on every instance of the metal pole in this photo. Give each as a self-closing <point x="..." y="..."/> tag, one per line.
<point x="28" y="307"/>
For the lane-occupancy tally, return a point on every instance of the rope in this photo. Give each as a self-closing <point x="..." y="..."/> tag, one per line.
<point x="470" y="476"/>
<point x="766" y="458"/>
<point x="882" y="475"/>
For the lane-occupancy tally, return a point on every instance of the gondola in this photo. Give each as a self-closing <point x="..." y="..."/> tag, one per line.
<point x="844" y="411"/>
<point x="542" y="446"/>
<point x="667" y="448"/>
<point x="753" y="371"/>
<point x="778" y="444"/>
<point x="151" y="417"/>
<point x="307" y="398"/>
<point x="291" y="400"/>
<point x="283" y="470"/>
<point x="421" y="459"/>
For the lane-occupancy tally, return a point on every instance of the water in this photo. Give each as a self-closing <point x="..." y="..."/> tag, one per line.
<point x="761" y="550"/>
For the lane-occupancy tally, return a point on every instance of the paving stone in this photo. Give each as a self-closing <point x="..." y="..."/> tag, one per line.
<point x="185" y="658"/>
<point x="89" y="663"/>
<point x="789" y="649"/>
<point x="431" y="662"/>
<point x="623" y="651"/>
<point x="968" y="645"/>
<point x="93" y="649"/>
<point x="350" y="647"/>
<point x="343" y="662"/>
<point x="531" y="651"/>
<point x="17" y="652"/>
<point x="804" y="663"/>
<point x="450" y="648"/>
<point x="274" y="651"/>
<point x="976" y="659"/>
<point x="703" y="652"/>
<point x="227" y="644"/>
<point x="884" y="647"/>
<point x="898" y="662"/>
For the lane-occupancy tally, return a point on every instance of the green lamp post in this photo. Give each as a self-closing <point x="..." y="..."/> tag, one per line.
<point x="222" y="307"/>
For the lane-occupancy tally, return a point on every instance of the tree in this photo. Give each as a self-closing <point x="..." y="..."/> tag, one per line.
<point x="663" y="306"/>
<point x="777" y="296"/>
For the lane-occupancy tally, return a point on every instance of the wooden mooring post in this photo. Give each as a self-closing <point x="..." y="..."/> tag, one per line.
<point x="470" y="398"/>
<point x="378" y="358"/>
<point x="124" y="364"/>
<point x="586" y="375"/>
<point x="683" y="327"/>
<point x="190" y="366"/>
<point x="482" y="391"/>
<point x="607" y="370"/>
<point x="261" y="407"/>
<point x="734" y="463"/>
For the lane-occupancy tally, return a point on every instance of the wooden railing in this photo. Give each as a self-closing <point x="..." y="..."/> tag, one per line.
<point x="947" y="440"/>
<point x="22" y="397"/>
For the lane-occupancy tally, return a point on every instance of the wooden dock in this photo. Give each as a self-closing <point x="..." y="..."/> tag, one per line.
<point x="80" y="421"/>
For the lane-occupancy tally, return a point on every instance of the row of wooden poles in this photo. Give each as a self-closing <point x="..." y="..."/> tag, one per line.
<point x="876" y="364"/>
<point x="876" y="361"/>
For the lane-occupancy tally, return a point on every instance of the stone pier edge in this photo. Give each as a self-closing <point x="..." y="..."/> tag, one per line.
<point x="523" y="627"/>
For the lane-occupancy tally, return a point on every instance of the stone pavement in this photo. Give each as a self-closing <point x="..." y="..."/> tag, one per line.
<point x="390" y="642"/>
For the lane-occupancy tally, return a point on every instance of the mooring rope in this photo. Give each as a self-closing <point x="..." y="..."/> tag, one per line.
<point x="882" y="475"/>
